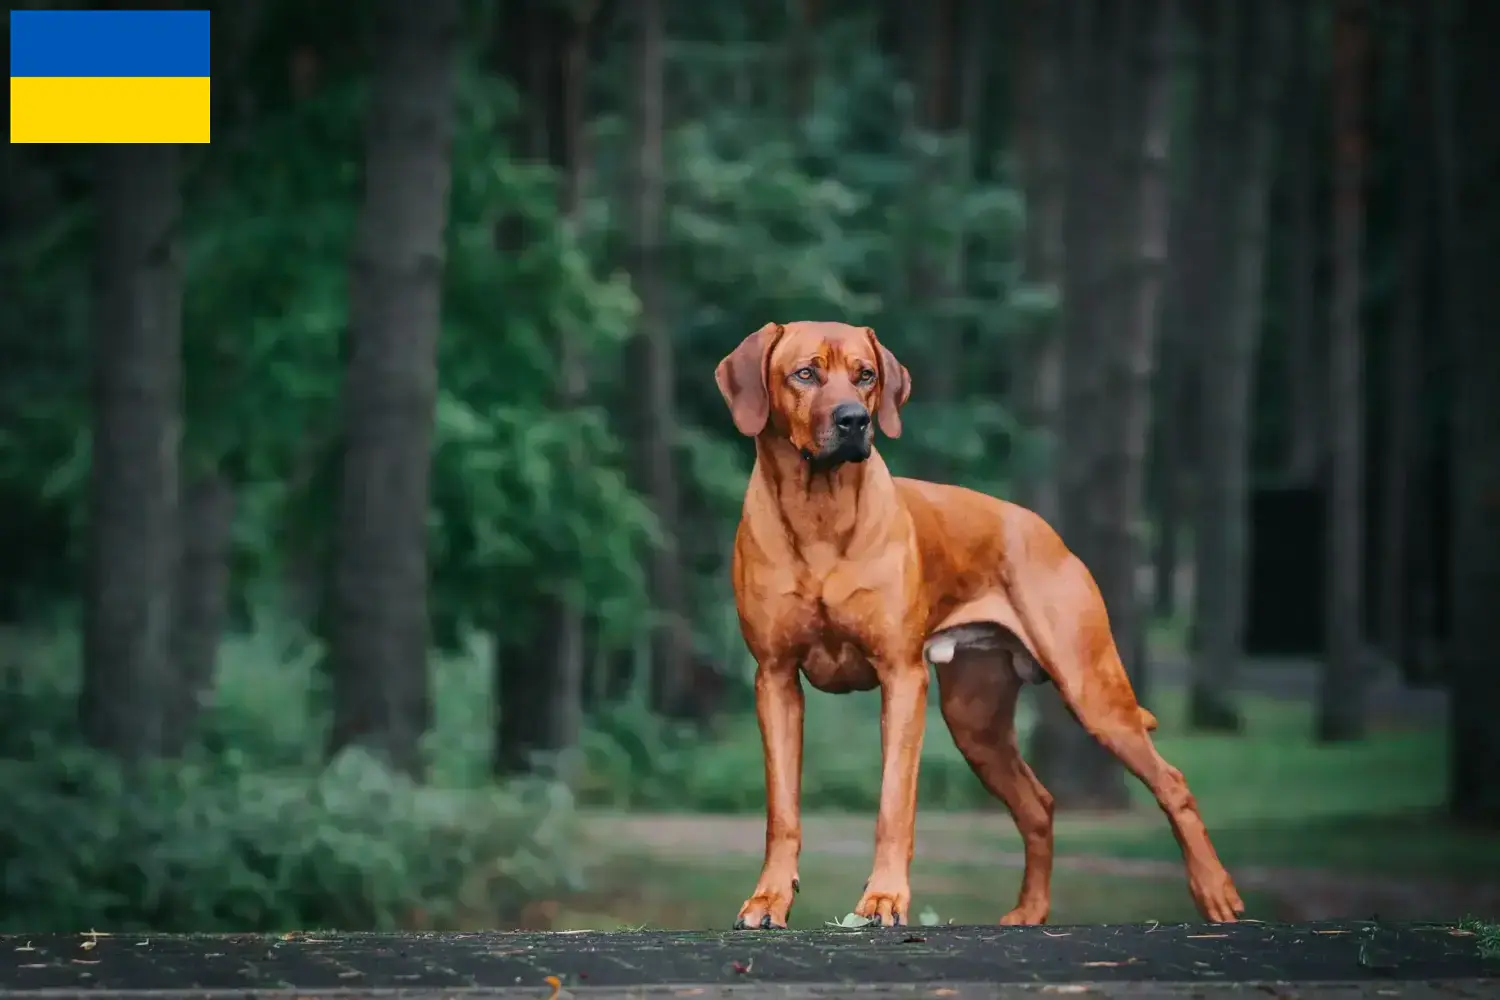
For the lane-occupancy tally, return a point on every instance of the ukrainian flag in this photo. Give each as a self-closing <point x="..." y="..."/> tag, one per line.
<point x="109" y="76"/>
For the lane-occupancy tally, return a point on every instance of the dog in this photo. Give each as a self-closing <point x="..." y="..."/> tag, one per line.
<point x="855" y="579"/>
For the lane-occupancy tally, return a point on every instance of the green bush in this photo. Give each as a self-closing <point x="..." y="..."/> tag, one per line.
<point x="244" y="834"/>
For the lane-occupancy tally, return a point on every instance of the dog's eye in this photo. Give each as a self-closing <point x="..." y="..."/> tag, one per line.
<point x="866" y="376"/>
<point x="805" y="375"/>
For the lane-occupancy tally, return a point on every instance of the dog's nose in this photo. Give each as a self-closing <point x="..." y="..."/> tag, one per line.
<point x="851" y="418"/>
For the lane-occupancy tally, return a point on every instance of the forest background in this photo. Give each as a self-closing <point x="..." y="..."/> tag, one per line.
<point x="367" y="496"/>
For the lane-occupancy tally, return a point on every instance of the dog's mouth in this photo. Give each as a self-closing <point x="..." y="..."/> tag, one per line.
<point x="838" y="451"/>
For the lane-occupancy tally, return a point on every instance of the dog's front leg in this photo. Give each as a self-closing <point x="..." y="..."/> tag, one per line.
<point x="779" y="708"/>
<point x="903" y="718"/>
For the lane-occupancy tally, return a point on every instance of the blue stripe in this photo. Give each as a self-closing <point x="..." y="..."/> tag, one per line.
<point x="109" y="43"/>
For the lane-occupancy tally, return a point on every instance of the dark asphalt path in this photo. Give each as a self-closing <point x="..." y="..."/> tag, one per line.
<point x="917" y="961"/>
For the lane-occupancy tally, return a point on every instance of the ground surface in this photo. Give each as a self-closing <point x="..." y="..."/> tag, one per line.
<point x="976" y="961"/>
<point x="694" y="871"/>
<point x="1309" y="832"/>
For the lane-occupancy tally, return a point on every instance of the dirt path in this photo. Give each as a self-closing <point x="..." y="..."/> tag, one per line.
<point x="967" y="838"/>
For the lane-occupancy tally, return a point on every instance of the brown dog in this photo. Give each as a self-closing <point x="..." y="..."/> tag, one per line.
<point x="856" y="580"/>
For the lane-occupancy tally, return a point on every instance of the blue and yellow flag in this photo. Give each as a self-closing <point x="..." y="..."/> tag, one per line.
<point x="109" y="76"/>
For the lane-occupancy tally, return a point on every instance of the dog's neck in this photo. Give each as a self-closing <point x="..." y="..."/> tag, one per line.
<point x="818" y="505"/>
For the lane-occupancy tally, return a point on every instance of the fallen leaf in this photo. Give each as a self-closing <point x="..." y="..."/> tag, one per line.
<point x="1060" y="934"/>
<point x="1330" y="932"/>
<point x="1109" y="965"/>
<point x="743" y="967"/>
<point x="1065" y="988"/>
<point x="27" y="946"/>
<point x="1455" y="933"/>
<point x="556" y="985"/>
<point x="1199" y="937"/>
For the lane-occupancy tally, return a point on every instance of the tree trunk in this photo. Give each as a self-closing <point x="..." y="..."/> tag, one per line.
<point x="1307" y="434"/>
<point x="1041" y="29"/>
<point x="207" y="495"/>
<point x="1194" y="244"/>
<point x="1077" y="771"/>
<point x="1341" y="709"/>
<point x="1111" y="271"/>
<point x="931" y="245"/>
<point x="1227" y="376"/>
<point x="378" y="645"/>
<point x="540" y="701"/>
<point x="1403" y="367"/>
<point x="137" y="429"/>
<point x="654" y="369"/>
<point x="202" y="594"/>
<point x="1474" y="782"/>
<point x="563" y="695"/>
<point x="1143" y="268"/>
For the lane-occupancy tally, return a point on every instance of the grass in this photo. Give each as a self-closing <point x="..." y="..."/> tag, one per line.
<point x="1270" y="796"/>
<point x="1273" y="797"/>
<point x="658" y="893"/>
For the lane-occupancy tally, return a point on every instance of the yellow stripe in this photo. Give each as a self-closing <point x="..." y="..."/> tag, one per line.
<point x="109" y="109"/>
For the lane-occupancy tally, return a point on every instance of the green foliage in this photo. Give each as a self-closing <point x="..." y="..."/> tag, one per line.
<point x="238" y="837"/>
<point x="767" y="218"/>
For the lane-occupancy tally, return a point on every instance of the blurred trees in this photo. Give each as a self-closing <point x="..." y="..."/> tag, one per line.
<point x="433" y="316"/>
<point x="1341" y="710"/>
<point x="1248" y="51"/>
<point x="1466" y="226"/>
<point x="652" y="359"/>
<point x="539" y="698"/>
<point x="1117" y="143"/>
<point x="379" y="637"/>
<point x="133" y="467"/>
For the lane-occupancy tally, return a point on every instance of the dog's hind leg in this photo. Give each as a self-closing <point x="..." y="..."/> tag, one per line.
<point x="978" y="692"/>
<point x="1065" y="619"/>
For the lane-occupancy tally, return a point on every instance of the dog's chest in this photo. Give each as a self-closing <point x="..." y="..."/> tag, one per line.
<point x="834" y="656"/>
<point x="834" y="620"/>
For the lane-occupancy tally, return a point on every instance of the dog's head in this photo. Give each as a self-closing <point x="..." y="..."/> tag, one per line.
<point x="822" y="386"/>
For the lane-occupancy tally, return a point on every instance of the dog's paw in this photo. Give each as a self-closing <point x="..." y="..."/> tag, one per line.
<point x="1026" y="915"/>
<point x="1214" y="892"/>
<point x="885" y="903"/>
<point x="768" y="907"/>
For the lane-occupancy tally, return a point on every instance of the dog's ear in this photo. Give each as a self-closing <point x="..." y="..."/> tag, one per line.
<point x="742" y="380"/>
<point x="895" y="389"/>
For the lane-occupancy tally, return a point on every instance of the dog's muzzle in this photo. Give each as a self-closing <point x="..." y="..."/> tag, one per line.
<point x="848" y="439"/>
